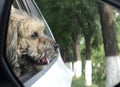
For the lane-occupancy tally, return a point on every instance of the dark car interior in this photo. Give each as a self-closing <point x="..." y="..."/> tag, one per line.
<point x="6" y="77"/>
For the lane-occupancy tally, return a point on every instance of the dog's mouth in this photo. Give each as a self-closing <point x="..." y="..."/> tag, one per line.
<point x="46" y="57"/>
<point x="43" y="61"/>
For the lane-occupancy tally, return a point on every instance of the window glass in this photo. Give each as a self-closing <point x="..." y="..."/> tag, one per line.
<point x="29" y="47"/>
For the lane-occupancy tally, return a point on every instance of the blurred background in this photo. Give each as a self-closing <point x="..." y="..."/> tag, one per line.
<point x="79" y="27"/>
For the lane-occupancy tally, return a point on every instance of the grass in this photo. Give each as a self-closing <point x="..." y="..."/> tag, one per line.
<point x="80" y="82"/>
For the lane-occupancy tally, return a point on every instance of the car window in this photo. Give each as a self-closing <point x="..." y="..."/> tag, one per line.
<point x="30" y="46"/>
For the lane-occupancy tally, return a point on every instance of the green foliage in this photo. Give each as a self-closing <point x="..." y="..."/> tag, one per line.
<point x="80" y="82"/>
<point x="117" y="28"/>
<point x="69" y="19"/>
<point x="98" y="67"/>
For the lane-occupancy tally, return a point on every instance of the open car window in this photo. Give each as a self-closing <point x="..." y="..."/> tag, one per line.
<point x="30" y="46"/>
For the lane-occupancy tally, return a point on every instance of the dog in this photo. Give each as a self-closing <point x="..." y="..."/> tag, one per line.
<point x="28" y="47"/>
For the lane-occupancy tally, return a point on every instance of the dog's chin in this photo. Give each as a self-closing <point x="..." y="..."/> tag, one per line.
<point x="39" y="60"/>
<point x="42" y="61"/>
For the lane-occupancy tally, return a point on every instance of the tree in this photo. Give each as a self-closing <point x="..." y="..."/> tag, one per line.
<point x="87" y="22"/>
<point x="110" y="45"/>
<point x="74" y="19"/>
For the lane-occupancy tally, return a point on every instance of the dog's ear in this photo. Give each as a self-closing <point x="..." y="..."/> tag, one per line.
<point x="12" y="33"/>
<point x="12" y="39"/>
<point x="11" y="44"/>
<point x="14" y="36"/>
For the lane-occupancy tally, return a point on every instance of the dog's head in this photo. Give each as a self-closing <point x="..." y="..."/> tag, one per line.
<point x="26" y="37"/>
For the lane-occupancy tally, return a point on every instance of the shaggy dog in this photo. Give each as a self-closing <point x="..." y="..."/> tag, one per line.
<point x="28" y="48"/>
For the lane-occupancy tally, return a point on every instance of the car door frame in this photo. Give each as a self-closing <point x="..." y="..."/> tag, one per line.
<point x="5" y="6"/>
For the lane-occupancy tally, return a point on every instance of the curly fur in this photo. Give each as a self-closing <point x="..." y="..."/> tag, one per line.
<point x="27" y="45"/>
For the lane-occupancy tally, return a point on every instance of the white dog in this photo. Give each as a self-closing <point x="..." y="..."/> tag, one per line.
<point x="27" y="45"/>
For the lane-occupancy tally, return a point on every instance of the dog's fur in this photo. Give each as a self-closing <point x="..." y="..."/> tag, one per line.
<point x="27" y="45"/>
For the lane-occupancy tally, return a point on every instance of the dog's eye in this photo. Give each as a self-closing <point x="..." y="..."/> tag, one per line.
<point x="34" y="35"/>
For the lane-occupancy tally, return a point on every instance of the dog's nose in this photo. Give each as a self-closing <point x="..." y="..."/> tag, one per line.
<point x="56" y="46"/>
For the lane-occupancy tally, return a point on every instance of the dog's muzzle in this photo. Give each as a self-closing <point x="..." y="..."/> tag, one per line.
<point x="47" y="54"/>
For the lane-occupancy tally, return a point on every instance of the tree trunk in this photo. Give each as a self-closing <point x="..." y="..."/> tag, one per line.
<point x="88" y="64"/>
<point x="87" y="44"/>
<point x="77" y="49"/>
<point x="110" y="45"/>
<point x="77" y="63"/>
<point x="68" y="59"/>
<point x="67" y="55"/>
<point x="108" y="31"/>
